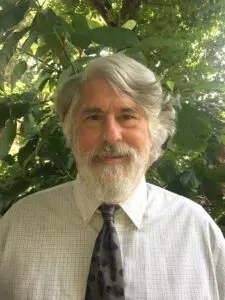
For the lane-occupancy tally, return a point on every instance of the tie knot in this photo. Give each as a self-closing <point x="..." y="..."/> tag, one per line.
<point x="108" y="212"/>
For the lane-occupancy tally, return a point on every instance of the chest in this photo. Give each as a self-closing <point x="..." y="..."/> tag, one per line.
<point x="52" y="262"/>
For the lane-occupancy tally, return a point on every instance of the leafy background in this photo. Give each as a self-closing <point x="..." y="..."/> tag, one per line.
<point x="44" y="42"/>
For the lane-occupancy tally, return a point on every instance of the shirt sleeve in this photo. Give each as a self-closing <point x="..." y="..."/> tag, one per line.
<point x="220" y="269"/>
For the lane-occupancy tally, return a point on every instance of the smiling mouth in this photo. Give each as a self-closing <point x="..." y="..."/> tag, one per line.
<point x="112" y="156"/>
<point x="111" y="159"/>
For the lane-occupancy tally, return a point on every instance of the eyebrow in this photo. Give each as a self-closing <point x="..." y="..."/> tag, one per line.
<point x="89" y="110"/>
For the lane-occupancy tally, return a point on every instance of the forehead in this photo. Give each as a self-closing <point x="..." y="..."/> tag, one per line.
<point x="98" y="92"/>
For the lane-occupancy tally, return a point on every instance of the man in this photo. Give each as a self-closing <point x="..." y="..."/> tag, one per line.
<point x="115" y="122"/>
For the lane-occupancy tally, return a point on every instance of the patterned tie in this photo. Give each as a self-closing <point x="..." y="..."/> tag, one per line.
<point x="105" y="279"/>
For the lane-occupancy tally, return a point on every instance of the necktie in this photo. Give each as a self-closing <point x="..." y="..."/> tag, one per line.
<point x="105" y="280"/>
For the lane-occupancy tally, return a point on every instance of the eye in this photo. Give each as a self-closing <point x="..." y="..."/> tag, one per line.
<point x="127" y="117"/>
<point x="93" y="117"/>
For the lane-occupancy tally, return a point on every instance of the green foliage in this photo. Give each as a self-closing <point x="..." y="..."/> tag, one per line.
<point x="8" y="136"/>
<point x="43" y="43"/>
<point x="17" y="72"/>
<point x="12" y="15"/>
<point x="194" y="129"/>
<point x="114" y="37"/>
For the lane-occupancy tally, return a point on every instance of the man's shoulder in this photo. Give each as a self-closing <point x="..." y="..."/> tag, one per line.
<point x="54" y="190"/>
<point x="178" y="211"/>
<point x="58" y="191"/>
<point x="163" y="200"/>
<point x="50" y="197"/>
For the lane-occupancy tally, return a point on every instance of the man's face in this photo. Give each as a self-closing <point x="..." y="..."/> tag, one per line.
<point x="112" y="140"/>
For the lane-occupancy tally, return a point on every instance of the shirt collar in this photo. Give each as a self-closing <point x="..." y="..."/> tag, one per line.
<point x="134" y="206"/>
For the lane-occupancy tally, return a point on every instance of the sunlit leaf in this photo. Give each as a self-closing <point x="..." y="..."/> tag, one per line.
<point x="130" y="24"/>
<point x="10" y="46"/>
<point x="29" y="42"/>
<point x="18" y="71"/>
<point x="170" y="85"/>
<point x="42" y="50"/>
<point x="28" y="127"/>
<point x="48" y="25"/>
<point x="41" y="81"/>
<point x="93" y="24"/>
<point x="222" y="138"/>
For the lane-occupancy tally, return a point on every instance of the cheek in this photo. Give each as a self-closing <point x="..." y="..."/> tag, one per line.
<point x="139" y="139"/>
<point x="87" y="139"/>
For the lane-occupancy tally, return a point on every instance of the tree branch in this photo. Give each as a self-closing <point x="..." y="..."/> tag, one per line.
<point x="40" y="60"/>
<point x="103" y="7"/>
<point x="129" y="10"/>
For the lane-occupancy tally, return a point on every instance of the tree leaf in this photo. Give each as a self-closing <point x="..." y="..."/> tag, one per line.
<point x="1" y="82"/>
<point x="136" y="54"/>
<point x="9" y="47"/>
<point x="42" y="50"/>
<point x="8" y="136"/>
<point x="80" y="40"/>
<point x="41" y="81"/>
<point x="130" y="24"/>
<point x="213" y="190"/>
<point x="25" y="153"/>
<point x="46" y="26"/>
<point x="170" y="85"/>
<point x="54" y="32"/>
<point x="93" y="50"/>
<point x="93" y="24"/>
<point x="9" y="159"/>
<point x="114" y="37"/>
<point x="65" y="74"/>
<point x="157" y="42"/>
<point x="209" y="86"/>
<point x="12" y="15"/>
<point x="80" y="31"/>
<point x="19" y="185"/>
<point x="19" y="110"/>
<point x="4" y="113"/>
<point x="18" y="71"/>
<point x="222" y="138"/>
<point x="216" y="174"/>
<point x="79" y="23"/>
<point x="29" y="42"/>
<point x="189" y="179"/>
<point x="28" y="128"/>
<point x="166" y="170"/>
<point x="193" y="130"/>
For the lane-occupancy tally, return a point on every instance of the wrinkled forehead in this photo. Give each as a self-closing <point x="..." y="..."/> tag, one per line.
<point x="99" y="92"/>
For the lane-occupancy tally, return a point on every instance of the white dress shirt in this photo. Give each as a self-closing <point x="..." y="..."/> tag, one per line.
<point x="171" y="248"/>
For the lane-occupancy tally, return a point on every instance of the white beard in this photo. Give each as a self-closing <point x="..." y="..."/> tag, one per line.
<point x="111" y="184"/>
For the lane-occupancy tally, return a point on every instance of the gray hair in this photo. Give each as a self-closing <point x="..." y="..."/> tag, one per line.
<point x="130" y="78"/>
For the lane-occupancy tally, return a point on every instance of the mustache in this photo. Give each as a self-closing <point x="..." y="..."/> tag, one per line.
<point x="107" y="149"/>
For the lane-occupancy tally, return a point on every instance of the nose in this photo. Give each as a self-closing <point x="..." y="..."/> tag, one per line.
<point x="111" y="131"/>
